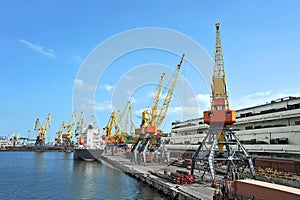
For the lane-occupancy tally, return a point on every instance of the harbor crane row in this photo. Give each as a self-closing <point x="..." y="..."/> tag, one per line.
<point x="149" y="139"/>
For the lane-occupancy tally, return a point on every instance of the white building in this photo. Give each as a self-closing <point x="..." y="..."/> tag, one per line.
<point x="271" y="129"/>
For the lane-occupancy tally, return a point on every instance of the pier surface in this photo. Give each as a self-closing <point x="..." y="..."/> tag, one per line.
<point x="141" y="172"/>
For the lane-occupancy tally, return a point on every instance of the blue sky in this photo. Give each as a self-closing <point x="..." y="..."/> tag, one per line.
<point x="43" y="44"/>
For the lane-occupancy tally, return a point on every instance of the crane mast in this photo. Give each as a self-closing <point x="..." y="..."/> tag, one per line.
<point x="219" y="114"/>
<point x="219" y="92"/>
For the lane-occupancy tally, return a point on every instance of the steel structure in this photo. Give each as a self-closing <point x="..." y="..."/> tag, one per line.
<point x="221" y="149"/>
<point x="149" y="139"/>
<point x="120" y="126"/>
<point x="41" y="131"/>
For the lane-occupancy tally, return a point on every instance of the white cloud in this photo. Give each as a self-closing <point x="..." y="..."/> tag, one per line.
<point x="175" y="111"/>
<point x="259" y="98"/>
<point x="79" y="84"/>
<point x="88" y="104"/>
<point x="203" y="101"/>
<point x="106" y="87"/>
<point x="47" y="52"/>
<point x="132" y="100"/>
<point x="104" y="106"/>
<point x="152" y="94"/>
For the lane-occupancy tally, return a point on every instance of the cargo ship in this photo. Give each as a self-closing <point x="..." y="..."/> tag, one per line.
<point x="89" y="143"/>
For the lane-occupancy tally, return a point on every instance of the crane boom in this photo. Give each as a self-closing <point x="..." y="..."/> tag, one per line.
<point x="127" y="106"/>
<point x="156" y="100"/>
<point x="59" y="132"/>
<point x="129" y="120"/>
<point x="166" y="103"/>
<point x="120" y="135"/>
<point x="46" y="126"/>
<point x="124" y="122"/>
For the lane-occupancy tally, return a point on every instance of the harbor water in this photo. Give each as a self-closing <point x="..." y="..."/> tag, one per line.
<point x="55" y="175"/>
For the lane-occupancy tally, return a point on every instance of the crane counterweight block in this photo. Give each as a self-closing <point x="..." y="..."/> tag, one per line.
<point x="225" y="117"/>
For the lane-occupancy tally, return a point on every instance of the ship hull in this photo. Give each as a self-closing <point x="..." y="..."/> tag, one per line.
<point x="87" y="154"/>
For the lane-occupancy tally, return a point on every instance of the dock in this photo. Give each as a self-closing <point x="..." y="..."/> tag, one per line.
<point x="142" y="173"/>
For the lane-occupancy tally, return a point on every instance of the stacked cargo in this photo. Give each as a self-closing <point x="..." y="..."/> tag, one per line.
<point x="180" y="177"/>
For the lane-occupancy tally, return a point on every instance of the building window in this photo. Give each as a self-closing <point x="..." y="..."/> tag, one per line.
<point x="297" y="122"/>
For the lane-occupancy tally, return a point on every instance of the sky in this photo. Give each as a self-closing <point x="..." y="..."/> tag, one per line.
<point x="46" y="48"/>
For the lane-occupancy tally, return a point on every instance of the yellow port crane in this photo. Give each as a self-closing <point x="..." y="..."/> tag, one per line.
<point x="17" y="138"/>
<point x="41" y="131"/>
<point x="128" y="126"/>
<point x="59" y="133"/>
<point x="109" y="127"/>
<point x="14" y="138"/>
<point x="151" y="125"/>
<point x="69" y="129"/>
<point x="116" y="122"/>
<point x="211" y="152"/>
<point x="154" y="114"/>
<point x="120" y="135"/>
<point x="148" y="131"/>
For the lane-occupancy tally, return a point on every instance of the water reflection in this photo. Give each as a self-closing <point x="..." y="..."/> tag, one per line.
<point x="94" y="180"/>
<point x="55" y="175"/>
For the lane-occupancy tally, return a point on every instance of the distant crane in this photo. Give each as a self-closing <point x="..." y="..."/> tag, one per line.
<point x="41" y="131"/>
<point x="127" y="125"/>
<point x="120" y="126"/>
<point x="59" y="133"/>
<point x="120" y="136"/>
<point x="69" y="129"/>
<point x="109" y="127"/>
<point x="211" y="151"/>
<point x="149" y="139"/>
<point x="14" y="139"/>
